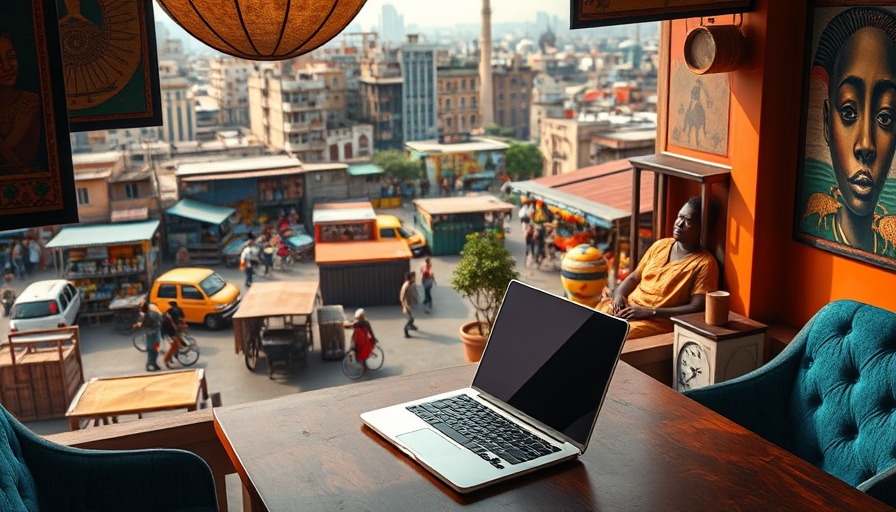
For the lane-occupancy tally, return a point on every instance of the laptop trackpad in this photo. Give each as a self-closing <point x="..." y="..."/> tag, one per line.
<point x="427" y="444"/>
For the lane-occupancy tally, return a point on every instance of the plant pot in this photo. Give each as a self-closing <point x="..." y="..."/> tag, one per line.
<point x="474" y="343"/>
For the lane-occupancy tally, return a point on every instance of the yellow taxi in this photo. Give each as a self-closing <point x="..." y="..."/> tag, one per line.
<point x="204" y="296"/>
<point x="389" y="226"/>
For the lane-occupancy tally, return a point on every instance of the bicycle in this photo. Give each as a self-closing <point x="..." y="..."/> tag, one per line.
<point x="187" y="354"/>
<point x="355" y="369"/>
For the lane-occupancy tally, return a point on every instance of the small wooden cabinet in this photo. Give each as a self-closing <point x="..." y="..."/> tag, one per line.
<point x="704" y="354"/>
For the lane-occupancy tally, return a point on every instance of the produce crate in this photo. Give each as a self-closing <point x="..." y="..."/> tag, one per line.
<point x="40" y="372"/>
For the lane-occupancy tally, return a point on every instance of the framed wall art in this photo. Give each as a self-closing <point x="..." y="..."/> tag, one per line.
<point x="37" y="186"/>
<point x="602" y="13"/>
<point x="846" y="188"/>
<point x="110" y="62"/>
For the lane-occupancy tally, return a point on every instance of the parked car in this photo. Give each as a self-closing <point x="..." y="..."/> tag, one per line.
<point x="203" y="295"/>
<point x="389" y="226"/>
<point x="46" y="305"/>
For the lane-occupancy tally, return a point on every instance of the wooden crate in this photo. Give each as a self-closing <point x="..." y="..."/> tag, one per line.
<point x="40" y="372"/>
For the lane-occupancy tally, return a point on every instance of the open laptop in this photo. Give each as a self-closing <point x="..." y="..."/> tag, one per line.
<point x="546" y="369"/>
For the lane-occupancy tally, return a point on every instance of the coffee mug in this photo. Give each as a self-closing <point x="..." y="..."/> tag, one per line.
<point x="717" y="308"/>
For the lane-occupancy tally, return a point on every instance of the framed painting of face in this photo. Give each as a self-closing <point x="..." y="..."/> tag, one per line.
<point x="36" y="179"/>
<point x="846" y="191"/>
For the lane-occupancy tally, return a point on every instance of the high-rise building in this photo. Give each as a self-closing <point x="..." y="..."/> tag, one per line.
<point x="178" y="114"/>
<point x="381" y="98"/>
<point x="288" y="111"/>
<point x="391" y="25"/>
<point x="229" y="86"/>
<point x="419" y="101"/>
<point x="512" y="87"/>
<point x="458" y="100"/>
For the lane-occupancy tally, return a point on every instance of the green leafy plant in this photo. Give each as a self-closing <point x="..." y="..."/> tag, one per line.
<point x="482" y="275"/>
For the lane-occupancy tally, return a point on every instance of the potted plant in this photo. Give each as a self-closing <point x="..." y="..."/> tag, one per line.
<point x="482" y="275"/>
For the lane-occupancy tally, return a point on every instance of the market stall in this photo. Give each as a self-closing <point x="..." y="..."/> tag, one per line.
<point x="350" y="221"/>
<point x="200" y="230"/>
<point x="106" y="262"/>
<point x="446" y="221"/>
<point x="366" y="273"/>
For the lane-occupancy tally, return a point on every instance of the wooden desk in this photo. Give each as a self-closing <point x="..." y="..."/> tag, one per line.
<point x="652" y="449"/>
<point x="101" y="399"/>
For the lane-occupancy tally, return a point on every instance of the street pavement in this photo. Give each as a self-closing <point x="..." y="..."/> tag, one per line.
<point x="435" y="345"/>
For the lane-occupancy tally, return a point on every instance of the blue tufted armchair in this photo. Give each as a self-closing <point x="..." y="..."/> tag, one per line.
<point x="38" y="475"/>
<point x="829" y="397"/>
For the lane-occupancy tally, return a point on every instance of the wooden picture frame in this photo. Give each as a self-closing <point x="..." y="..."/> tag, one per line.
<point x="37" y="184"/>
<point x="111" y="64"/>
<point x="603" y="13"/>
<point x="845" y="203"/>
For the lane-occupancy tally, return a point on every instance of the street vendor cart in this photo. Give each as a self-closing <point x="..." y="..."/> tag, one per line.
<point x="275" y="320"/>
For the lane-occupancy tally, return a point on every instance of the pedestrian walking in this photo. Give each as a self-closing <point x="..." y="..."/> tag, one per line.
<point x="18" y="258"/>
<point x="35" y="251"/>
<point x="151" y="323"/>
<point x="249" y="260"/>
<point x="428" y="279"/>
<point x="408" y="297"/>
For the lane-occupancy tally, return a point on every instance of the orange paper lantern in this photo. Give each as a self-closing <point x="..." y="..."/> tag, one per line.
<point x="263" y="29"/>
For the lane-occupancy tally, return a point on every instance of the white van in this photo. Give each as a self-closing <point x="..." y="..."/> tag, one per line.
<point x="45" y="305"/>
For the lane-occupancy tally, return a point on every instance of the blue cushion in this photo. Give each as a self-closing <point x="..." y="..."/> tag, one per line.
<point x="17" y="488"/>
<point x="843" y="402"/>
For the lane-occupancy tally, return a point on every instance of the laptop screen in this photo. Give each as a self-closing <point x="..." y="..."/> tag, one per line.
<point x="551" y="358"/>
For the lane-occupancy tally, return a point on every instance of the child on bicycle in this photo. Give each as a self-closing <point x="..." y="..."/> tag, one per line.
<point x="362" y="337"/>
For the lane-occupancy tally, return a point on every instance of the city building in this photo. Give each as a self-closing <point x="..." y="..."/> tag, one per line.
<point x="458" y="100"/>
<point x="108" y="189"/>
<point x="178" y="110"/>
<point x="381" y="98"/>
<point x="512" y="90"/>
<point x="419" y="92"/>
<point x="547" y="103"/>
<point x="566" y="144"/>
<point x="349" y="142"/>
<point x="391" y="24"/>
<point x="229" y="85"/>
<point x="288" y="111"/>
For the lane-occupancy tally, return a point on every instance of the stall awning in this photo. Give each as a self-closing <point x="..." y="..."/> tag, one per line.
<point x="104" y="234"/>
<point x="284" y="298"/>
<point x="195" y="210"/>
<point x="364" y="169"/>
<point x="462" y="204"/>
<point x="601" y="194"/>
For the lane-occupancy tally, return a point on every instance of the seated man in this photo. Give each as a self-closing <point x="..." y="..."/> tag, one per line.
<point x="672" y="278"/>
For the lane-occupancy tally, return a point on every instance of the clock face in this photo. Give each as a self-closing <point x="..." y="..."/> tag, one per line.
<point x="693" y="367"/>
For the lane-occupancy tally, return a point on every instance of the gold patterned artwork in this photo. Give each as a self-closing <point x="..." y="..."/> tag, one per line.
<point x="100" y="53"/>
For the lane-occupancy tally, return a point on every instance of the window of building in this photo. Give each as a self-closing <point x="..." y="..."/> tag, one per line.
<point x="513" y="81"/>
<point x="131" y="190"/>
<point x="448" y="123"/>
<point x="83" y="197"/>
<point x="448" y="104"/>
<point x="473" y="101"/>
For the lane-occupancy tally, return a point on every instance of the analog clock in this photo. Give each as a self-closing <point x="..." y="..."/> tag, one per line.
<point x="692" y="368"/>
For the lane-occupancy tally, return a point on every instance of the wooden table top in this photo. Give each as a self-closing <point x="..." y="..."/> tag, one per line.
<point x="137" y="394"/>
<point x="652" y="449"/>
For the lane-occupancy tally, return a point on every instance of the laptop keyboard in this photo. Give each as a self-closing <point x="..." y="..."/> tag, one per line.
<point x="481" y="430"/>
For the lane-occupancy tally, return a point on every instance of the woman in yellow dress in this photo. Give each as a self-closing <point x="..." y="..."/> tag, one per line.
<point x="672" y="278"/>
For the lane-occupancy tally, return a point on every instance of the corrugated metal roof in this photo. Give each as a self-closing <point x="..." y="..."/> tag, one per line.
<point x="202" y="212"/>
<point x="360" y="252"/>
<point x="343" y="212"/>
<point x="601" y="193"/>
<point x="364" y="169"/>
<point x="261" y="163"/>
<point x="104" y="234"/>
<point x="475" y="144"/>
<point x="240" y="175"/>
<point x="463" y="204"/>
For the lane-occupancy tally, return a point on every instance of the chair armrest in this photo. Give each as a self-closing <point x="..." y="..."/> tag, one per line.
<point x="882" y="486"/>
<point x="760" y="400"/>
<point x="114" y="480"/>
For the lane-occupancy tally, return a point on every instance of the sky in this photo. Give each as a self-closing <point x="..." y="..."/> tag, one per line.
<point x="424" y="13"/>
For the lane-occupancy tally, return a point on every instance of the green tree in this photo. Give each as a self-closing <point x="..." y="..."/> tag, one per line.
<point x="482" y="275"/>
<point x="397" y="165"/>
<point x="499" y="131"/>
<point x="523" y="160"/>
